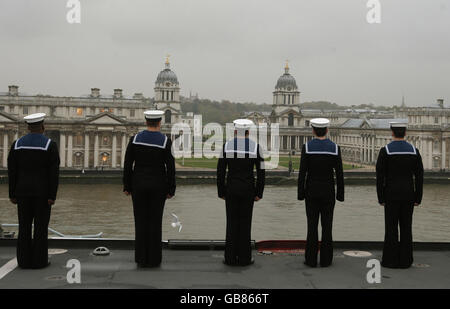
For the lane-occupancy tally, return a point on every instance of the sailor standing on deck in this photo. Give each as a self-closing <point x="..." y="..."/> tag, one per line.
<point x="33" y="172"/>
<point x="149" y="176"/>
<point x="399" y="189"/>
<point x="240" y="155"/>
<point x="320" y="160"/>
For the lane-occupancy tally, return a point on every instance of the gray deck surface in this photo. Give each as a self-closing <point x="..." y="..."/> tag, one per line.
<point x="191" y="269"/>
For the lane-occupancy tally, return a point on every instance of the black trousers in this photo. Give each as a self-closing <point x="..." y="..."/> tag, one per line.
<point x="239" y="211"/>
<point x="398" y="254"/>
<point x="32" y="251"/>
<point x="323" y="208"/>
<point x="148" y="207"/>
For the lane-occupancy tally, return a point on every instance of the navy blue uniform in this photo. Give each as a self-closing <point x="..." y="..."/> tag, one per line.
<point x="399" y="186"/>
<point x="33" y="172"/>
<point x="320" y="162"/>
<point x="238" y="187"/>
<point x="149" y="174"/>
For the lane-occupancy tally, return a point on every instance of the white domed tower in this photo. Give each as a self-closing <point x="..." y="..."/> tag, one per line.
<point x="286" y="100"/>
<point x="167" y="94"/>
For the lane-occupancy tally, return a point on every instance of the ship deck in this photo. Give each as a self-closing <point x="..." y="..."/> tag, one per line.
<point x="190" y="266"/>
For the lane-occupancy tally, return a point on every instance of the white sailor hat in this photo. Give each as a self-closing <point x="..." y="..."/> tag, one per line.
<point x="319" y="122"/>
<point x="398" y="124"/>
<point x="33" y="118"/>
<point x="243" y="123"/>
<point x="153" y="114"/>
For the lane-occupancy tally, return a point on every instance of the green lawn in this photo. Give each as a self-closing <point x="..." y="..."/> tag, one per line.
<point x="212" y="163"/>
<point x="199" y="163"/>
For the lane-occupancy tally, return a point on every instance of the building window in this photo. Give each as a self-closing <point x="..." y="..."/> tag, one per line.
<point x="436" y="120"/>
<point x="79" y="140"/>
<point x="111" y="110"/>
<point x="92" y="110"/>
<point x="104" y="158"/>
<point x="25" y="110"/>
<point x="2" y="108"/>
<point x="119" y="111"/>
<point x="306" y="123"/>
<point x="436" y="163"/>
<point x="79" y="159"/>
<point x="285" y="142"/>
<point x="79" y="111"/>
<point x="168" y="116"/>
<point x="131" y="112"/>
<point x="106" y="141"/>
<point x="291" y="119"/>
<point x="436" y="146"/>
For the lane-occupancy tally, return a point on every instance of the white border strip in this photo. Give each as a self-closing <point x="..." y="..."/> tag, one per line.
<point x="8" y="267"/>
<point x="242" y="151"/>
<point x="30" y="147"/>
<point x="322" y="152"/>
<point x="154" y="145"/>
<point x="400" y="152"/>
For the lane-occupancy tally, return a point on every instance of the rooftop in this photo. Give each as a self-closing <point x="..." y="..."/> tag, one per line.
<point x="381" y="123"/>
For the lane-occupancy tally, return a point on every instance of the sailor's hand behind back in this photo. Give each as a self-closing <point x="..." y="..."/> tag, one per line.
<point x="126" y="193"/>
<point x="13" y="200"/>
<point x="169" y="196"/>
<point x="50" y="202"/>
<point x="257" y="198"/>
<point x="416" y="204"/>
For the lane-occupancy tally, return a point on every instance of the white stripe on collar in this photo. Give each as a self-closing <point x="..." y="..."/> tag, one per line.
<point x="322" y="152"/>
<point x="151" y="145"/>
<point x="31" y="147"/>
<point x="242" y="151"/>
<point x="401" y="152"/>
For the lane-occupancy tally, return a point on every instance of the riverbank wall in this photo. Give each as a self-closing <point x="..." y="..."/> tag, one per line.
<point x="197" y="176"/>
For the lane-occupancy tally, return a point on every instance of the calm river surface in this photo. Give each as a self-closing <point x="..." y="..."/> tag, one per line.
<point x="89" y="209"/>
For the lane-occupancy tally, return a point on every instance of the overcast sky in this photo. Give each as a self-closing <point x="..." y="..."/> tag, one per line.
<point x="231" y="49"/>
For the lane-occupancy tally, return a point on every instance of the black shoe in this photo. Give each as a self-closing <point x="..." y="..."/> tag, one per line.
<point x="143" y="265"/>
<point x="310" y="265"/>
<point x="229" y="263"/>
<point x="387" y="265"/>
<point x="252" y="261"/>
<point x="41" y="266"/>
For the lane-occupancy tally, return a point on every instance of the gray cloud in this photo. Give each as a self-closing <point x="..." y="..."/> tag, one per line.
<point x="231" y="49"/>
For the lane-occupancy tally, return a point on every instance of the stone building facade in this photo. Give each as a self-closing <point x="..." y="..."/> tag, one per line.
<point x="360" y="133"/>
<point x="92" y="131"/>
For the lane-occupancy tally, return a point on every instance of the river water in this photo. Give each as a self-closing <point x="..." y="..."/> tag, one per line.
<point x="89" y="209"/>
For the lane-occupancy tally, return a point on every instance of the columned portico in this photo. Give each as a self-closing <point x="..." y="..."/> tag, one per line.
<point x="123" y="149"/>
<point x="62" y="149"/>
<point x="96" y="149"/>
<point x="444" y="154"/>
<point x="114" y="151"/>
<point x="69" y="150"/>
<point x="5" y="148"/>
<point x="86" y="150"/>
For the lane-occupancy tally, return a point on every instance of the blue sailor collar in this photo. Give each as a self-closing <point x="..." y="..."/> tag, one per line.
<point x="317" y="146"/>
<point x="241" y="145"/>
<point x="34" y="141"/>
<point x="399" y="148"/>
<point x="151" y="139"/>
